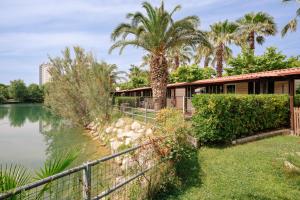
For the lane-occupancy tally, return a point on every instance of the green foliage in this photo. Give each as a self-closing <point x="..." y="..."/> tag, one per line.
<point x="297" y="100"/>
<point x="247" y="62"/>
<point x="131" y="101"/>
<point x="137" y="78"/>
<point x="178" y="155"/>
<point x="56" y="165"/>
<point x="191" y="73"/>
<point x="3" y="93"/>
<point x="35" y="93"/>
<point x="17" y="90"/>
<point x="81" y="87"/>
<point x="221" y="118"/>
<point x="13" y="176"/>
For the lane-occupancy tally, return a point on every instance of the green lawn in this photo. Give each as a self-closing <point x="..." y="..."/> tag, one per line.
<point x="250" y="171"/>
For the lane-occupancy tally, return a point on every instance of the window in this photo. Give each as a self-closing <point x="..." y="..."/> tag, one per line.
<point x="230" y="89"/>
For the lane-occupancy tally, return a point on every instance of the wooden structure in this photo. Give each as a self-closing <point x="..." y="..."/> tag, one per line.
<point x="268" y="82"/>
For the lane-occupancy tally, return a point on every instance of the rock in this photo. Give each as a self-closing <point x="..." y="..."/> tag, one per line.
<point x="135" y="125"/>
<point x="115" y="145"/>
<point x="127" y="128"/>
<point x="119" y="131"/>
<point x="141" y="130"/>
<point x="109" y="130"/>
<point x="290" y="166"/>
<point x="149" y="132"/>
<point x="96" y="138"/>
<point x="128" y="141"/>
<point x="120" y="123"/>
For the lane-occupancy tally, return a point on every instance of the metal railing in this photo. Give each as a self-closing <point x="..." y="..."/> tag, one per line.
<point x="142" y="114"/>
<point x="118" y="176"/>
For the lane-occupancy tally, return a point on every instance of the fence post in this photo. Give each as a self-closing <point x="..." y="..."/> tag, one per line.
<point x="87" y="182"/>
<point x="146" y="115"/>
<point x="183" y="104"/>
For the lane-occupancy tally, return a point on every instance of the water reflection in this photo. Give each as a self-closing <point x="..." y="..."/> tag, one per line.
<point x="30" y="134"/>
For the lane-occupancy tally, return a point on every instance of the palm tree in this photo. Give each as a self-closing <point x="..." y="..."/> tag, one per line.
<point x="221" y="35"/>
<point x="254" y="26"/>
<point x="180" y="56"/>
<point x="157" y="33"/>
<point x="292" y="25"/>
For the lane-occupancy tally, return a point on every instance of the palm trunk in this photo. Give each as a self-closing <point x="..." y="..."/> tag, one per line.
<point x="159" y="77"/>
<point x="219" y="60"/>
<point x="176" y="62"/>
<point x="206" y="61"/>
<point x="252" y="40"/>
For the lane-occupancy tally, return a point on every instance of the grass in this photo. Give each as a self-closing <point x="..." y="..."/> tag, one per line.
<point x="250" y="171"/>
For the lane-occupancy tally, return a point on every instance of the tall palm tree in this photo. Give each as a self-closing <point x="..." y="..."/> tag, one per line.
<point x="254" y="26"/>
<point x="222" y="34"/>
<point x="157" y="33"/>
<point x="180" y="56"/>
<point x="292" y="25"/>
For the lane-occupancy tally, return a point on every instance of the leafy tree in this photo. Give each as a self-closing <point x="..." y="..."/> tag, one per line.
<point x="191" y="73"/>
<point x="157" y="33"/>
<point x="4" y="91"/>
<point x="254" y="26"/>
<point x="35" y="93"/>
<point x="221" y="35"/>
<point x="81" y="87"/>
<point x="247" y="62"/>
<point x="17" y="90"/>
<point x="292" y="25"/>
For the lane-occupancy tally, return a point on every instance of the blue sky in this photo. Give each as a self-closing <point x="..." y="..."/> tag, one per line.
<point x="31" y="30"/>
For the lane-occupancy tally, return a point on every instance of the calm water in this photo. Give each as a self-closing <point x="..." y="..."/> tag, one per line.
<point x="29" y="135"/>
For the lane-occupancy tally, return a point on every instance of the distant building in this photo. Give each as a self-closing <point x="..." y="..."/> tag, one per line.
<point x="45" y="76"/>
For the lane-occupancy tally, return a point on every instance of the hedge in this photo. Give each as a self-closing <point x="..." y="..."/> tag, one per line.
<point x="221" y="118"/>
<point x="131" y="101"/>
<point x="297" y="100"/>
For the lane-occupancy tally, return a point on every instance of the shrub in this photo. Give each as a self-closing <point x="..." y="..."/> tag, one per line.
<point x="297" y="100"/>
<point x="221" y="118"/>
<point x="131" y="101"/>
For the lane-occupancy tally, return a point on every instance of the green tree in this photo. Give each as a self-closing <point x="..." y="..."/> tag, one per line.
<point x="247" y="62"/>
<point x="292" y="25"/>
<point x="157" y="33"/>
<point x="81" y="87"/>
<point x="17" y="90"/>
<point x="222" y="34"/>
<point x="191" y="73"/>
<point x="35" y="93"/>
<point x="253" y="27"/>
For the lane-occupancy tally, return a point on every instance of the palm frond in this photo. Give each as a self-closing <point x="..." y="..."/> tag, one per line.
<point x="13" y="176"/>
<point x="291" y="26"/>
<point x="56" y="165"/>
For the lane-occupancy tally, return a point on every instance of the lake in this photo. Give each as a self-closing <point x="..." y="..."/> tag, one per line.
<point x="30" y="134"/>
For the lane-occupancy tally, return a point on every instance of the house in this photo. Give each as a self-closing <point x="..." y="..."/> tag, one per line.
<point x="268" y="82"/>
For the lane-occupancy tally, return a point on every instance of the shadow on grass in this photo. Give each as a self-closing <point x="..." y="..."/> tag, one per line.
<point x="189" y="173"/>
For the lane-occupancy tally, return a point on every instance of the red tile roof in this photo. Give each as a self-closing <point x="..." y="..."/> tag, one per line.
<point x="227" y="79"/>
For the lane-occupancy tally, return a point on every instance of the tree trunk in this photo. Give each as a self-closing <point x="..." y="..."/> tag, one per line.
<point x="206" y="61"/>
<point x="219" y="60"/>
<point x="176" y="60"/>
<point x="159" y="80"/>
<point x="252" y="40"/>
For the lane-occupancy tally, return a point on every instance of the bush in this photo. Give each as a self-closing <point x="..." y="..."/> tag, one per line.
<point x="131" y="101"/>
<point x="222" y="118"/>
<point x="297" y="100"/>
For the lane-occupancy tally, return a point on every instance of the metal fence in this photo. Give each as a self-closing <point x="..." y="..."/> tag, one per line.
<point x="142" y="114"/>
<point x="125" y="175"/>
<point x="182" y="103"/>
